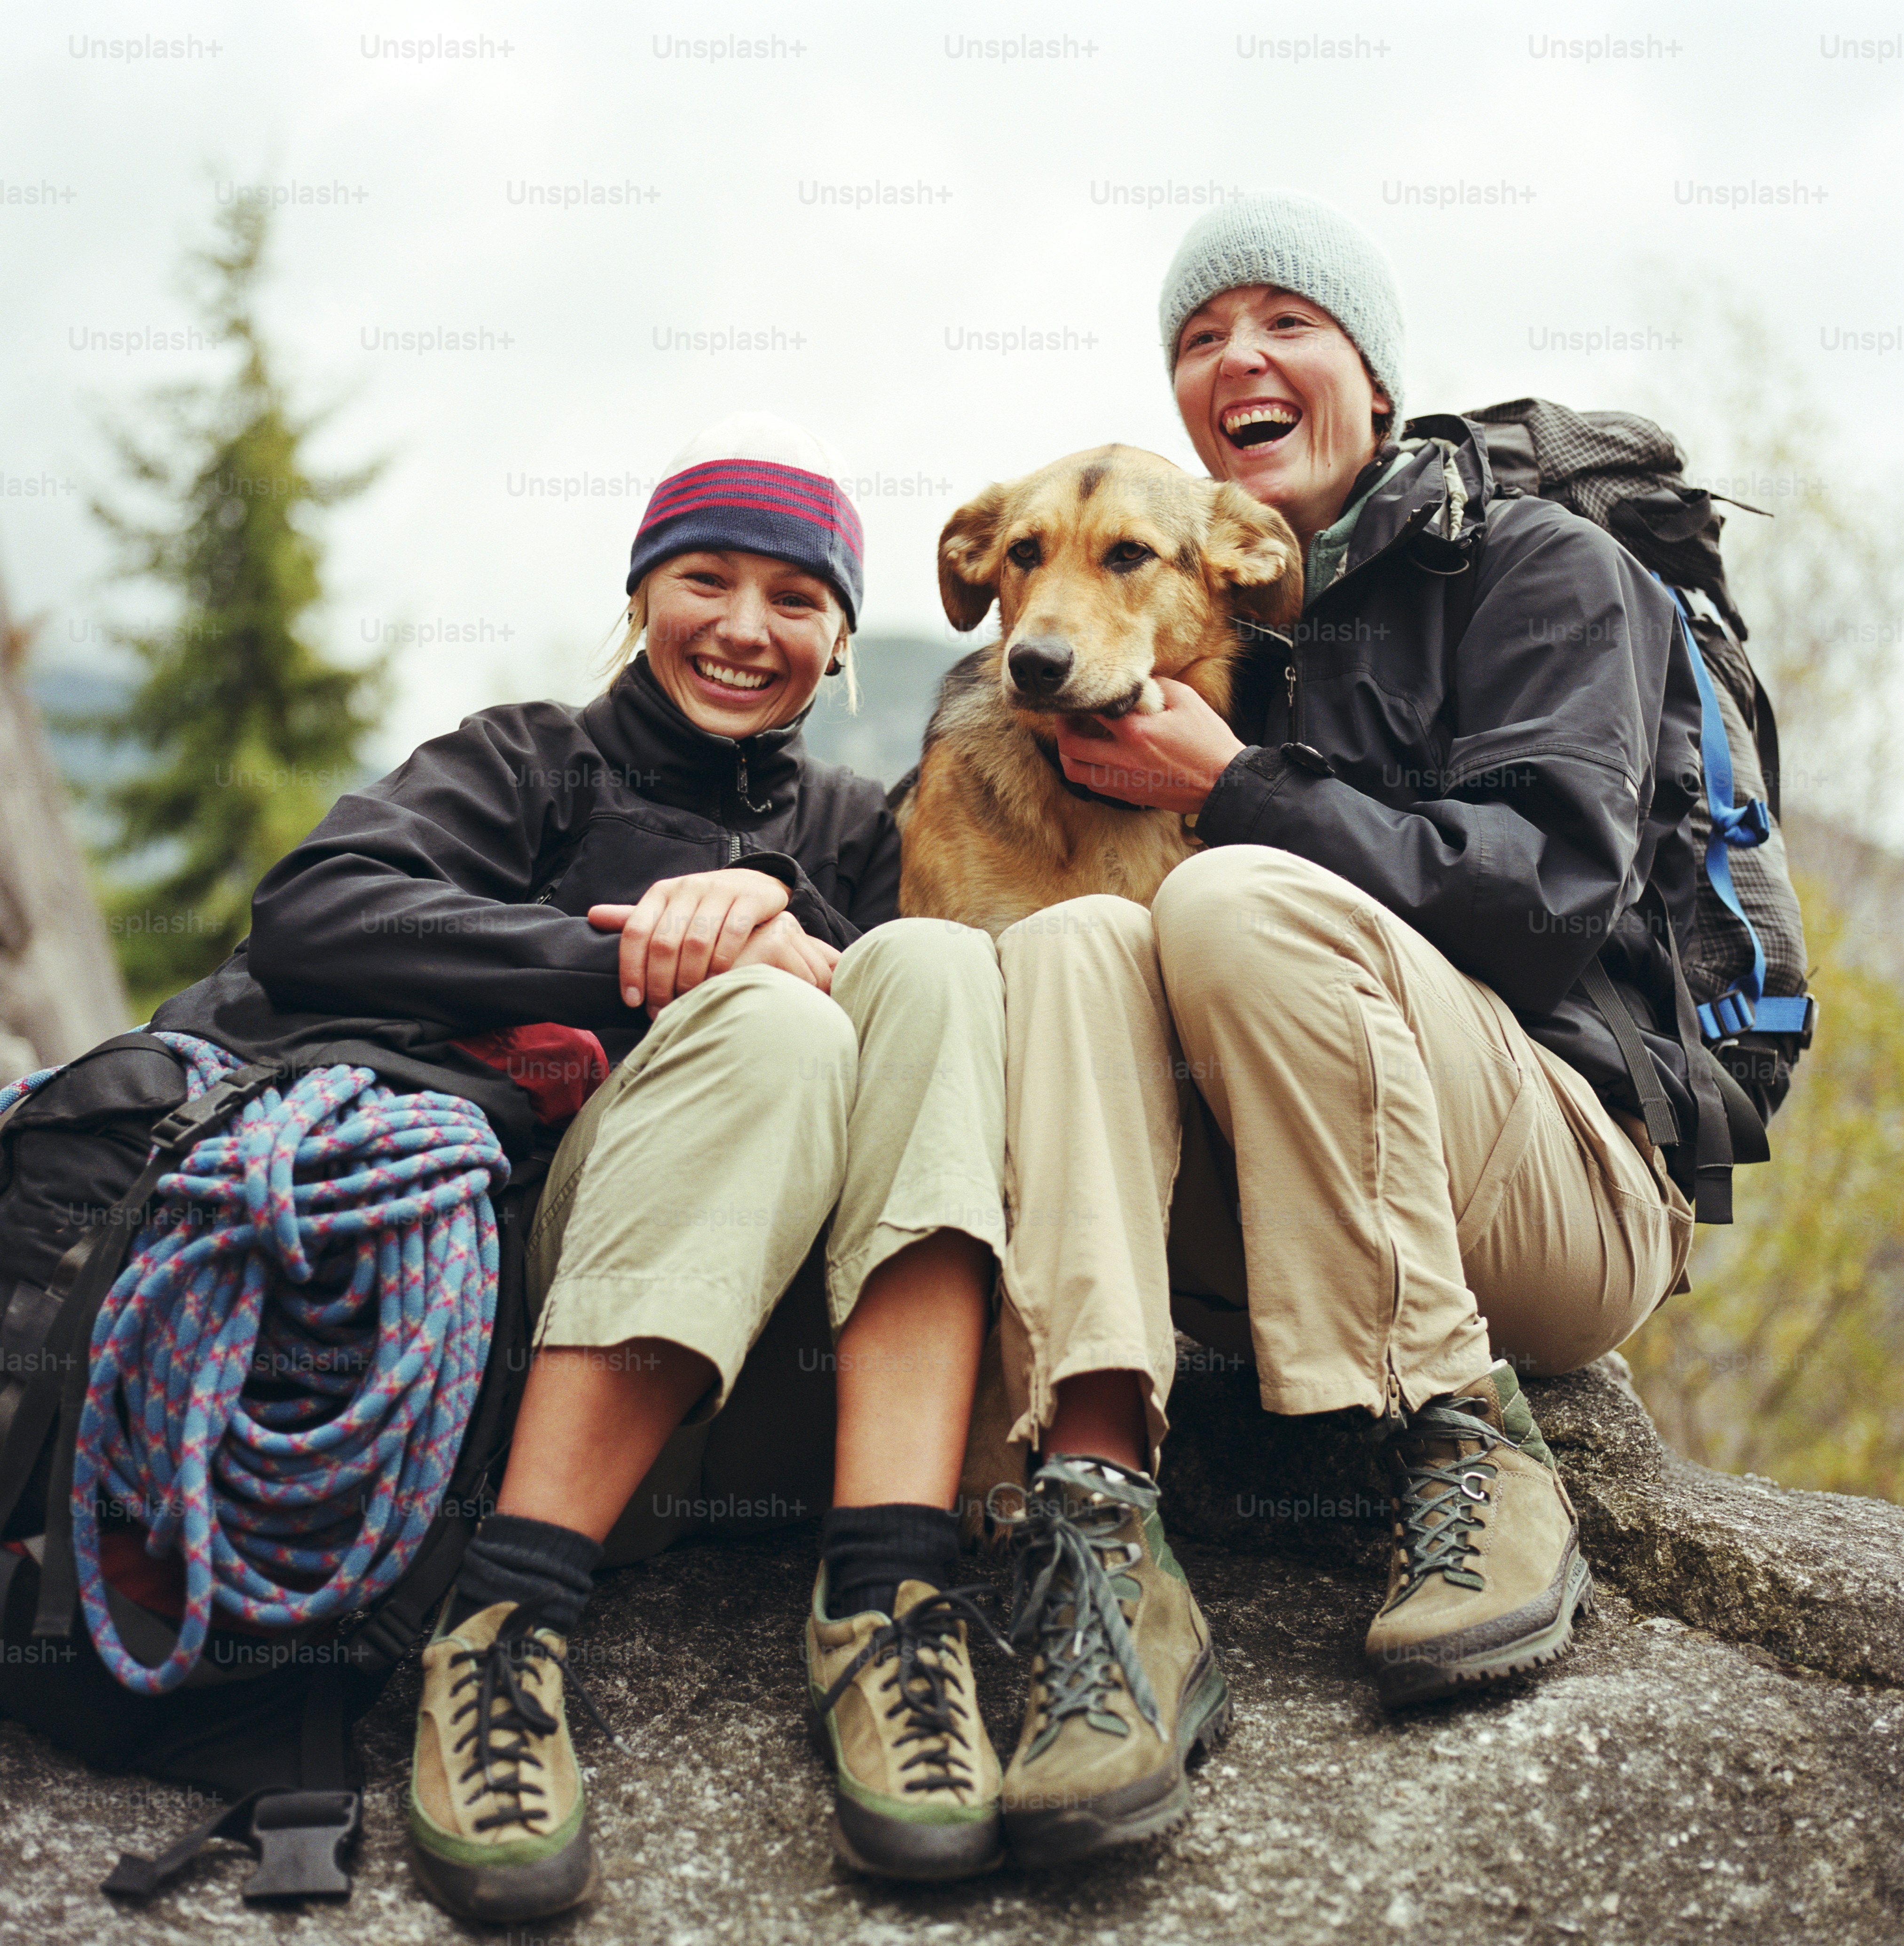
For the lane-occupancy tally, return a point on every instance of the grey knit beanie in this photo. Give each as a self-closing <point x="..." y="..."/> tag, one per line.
<point x="1296" y="243"/>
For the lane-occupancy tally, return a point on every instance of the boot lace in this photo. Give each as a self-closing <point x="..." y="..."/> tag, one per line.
<point x="508" y="1714"/>
<point x="1437" y="1496"/>
<point x="1064" y="1600"/>
<point x="925" y="1684"/>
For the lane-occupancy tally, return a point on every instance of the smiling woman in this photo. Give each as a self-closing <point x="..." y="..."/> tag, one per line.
<point x="1344" y="1086"/>
<point x="1283" y="331"/>
<point x="793" y="1165"/>
<point x="749" y="538"/>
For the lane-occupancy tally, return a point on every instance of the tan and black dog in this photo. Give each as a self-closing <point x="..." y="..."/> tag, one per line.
<point x="1110" y="569"/>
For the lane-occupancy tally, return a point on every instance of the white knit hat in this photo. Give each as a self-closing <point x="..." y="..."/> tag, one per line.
<point x="761" y="436"/>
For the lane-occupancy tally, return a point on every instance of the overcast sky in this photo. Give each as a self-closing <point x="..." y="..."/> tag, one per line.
<point x="603" y="205"/>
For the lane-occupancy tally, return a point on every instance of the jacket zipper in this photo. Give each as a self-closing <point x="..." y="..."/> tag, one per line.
<point x="740" y="787"/>
<point x="546" y="897"/>
<point x="1295" y="721"/>
<point x="733" y="846"/>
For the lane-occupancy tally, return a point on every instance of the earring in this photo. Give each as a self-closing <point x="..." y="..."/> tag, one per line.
<point x="835" y="666"/>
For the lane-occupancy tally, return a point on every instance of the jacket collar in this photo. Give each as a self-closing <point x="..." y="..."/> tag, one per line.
<point x="1434" y="502"/>
<point x="658" y="751"/>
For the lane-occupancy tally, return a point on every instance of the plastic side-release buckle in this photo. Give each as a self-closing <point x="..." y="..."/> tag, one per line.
<point x="297" y="1837"/>
<point x="300" y="1837"/>
<point x="180" y="1128"/>
<point x="1727" y="1017"/>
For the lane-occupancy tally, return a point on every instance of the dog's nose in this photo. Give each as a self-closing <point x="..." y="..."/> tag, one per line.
<point x="1040" y="667"/>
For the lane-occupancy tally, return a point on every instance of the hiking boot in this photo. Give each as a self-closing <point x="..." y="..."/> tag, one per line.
<point x="497" y="1808"/>
<point x="1126" y="1690"/>
<point x="1486" y="1571"/>
<point x="915" y="1777"/>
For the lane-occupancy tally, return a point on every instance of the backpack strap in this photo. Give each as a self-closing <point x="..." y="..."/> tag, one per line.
<point x="1745" y="1007"/>
<point x="299" y="1836"/>
<point x="1765" y="734"/>
<point x="36" y="1330"/>
<point x="1730" y="1132"/>
<point x="80" y="1284"/>
<point x="1663" y="1125"/>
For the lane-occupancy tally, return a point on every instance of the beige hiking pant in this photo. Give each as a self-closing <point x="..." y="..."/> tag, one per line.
<point x="1271" y="1097"/>
<point x="694" y="1192"/>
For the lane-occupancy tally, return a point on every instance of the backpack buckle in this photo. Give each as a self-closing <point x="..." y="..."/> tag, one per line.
<point x="299" y="1836"/>
<point x="180" y="1130"/>
<point x="1726" y="1018"/>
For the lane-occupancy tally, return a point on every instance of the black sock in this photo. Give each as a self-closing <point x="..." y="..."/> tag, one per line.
<point x="869" y="1551"/>
<point x="512" y="1559"/>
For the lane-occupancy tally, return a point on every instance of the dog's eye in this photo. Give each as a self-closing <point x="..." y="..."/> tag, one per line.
<point x="1024" y="554"/>
<point x="1127" y="554"/>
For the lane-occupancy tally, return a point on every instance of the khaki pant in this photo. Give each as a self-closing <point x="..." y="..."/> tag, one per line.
<point x="764" y="1142"/>
<point x="1272" y="1098"/>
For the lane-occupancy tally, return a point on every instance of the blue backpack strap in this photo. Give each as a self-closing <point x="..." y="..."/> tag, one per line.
<point x="1787" y="1013"/>
<point x="1747" y="824"/>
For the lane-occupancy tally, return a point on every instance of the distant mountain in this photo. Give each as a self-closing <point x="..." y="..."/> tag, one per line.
<point x="63" y="693"/>
<point x="899" y="684"/>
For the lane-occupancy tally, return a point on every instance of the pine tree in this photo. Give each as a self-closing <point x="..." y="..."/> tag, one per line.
<point x="250" y="731"/>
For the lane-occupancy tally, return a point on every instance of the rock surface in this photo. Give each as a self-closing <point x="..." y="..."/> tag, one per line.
<point x="1663" y="1783"/>
<point x="1816" y="1578"/>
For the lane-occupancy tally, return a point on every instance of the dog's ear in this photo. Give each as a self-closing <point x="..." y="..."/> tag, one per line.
<point x="969" y="555"/>
<point x="1253" y="548"/>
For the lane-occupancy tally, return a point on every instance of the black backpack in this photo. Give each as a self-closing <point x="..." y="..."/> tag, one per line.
<point x="1740" y="976"/>
<point x="265" y="1726"/>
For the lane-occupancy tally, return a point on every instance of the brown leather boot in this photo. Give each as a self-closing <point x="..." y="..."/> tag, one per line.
<point x="1485" y="1572"/>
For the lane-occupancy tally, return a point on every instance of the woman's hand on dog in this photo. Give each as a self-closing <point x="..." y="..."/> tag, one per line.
<point x="1169" y="760"/>
<point x="685" y="930"/>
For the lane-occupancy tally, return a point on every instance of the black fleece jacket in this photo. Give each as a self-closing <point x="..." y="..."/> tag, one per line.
<point x="455" y="889"/>
<point x="1512" y="750"/>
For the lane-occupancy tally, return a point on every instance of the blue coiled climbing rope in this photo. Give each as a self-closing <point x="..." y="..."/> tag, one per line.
<point x="282" y="1373"/>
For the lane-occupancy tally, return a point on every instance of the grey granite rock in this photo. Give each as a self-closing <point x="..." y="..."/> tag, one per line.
<point x="1662" y="1783"/>
<point x="1816" y="1578"/>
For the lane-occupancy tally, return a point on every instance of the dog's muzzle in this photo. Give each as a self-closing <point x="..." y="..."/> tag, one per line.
<point x="1044" y="672"/>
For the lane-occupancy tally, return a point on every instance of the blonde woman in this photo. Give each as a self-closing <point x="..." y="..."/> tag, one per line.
<point x="668" y="868"/>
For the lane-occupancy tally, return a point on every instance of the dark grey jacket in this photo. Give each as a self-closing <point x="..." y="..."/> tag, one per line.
<point x="451" y="894"/>
<point x="1511" y="749"/>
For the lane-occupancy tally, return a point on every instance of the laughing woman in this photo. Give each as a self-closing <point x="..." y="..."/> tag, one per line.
<point x="667" y="867"/>
<point x="1360" y="1125"/>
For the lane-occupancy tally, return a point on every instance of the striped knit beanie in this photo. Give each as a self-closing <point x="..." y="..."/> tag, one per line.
<point x="758" y="483"/>
<point x="1297" y="243"/>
